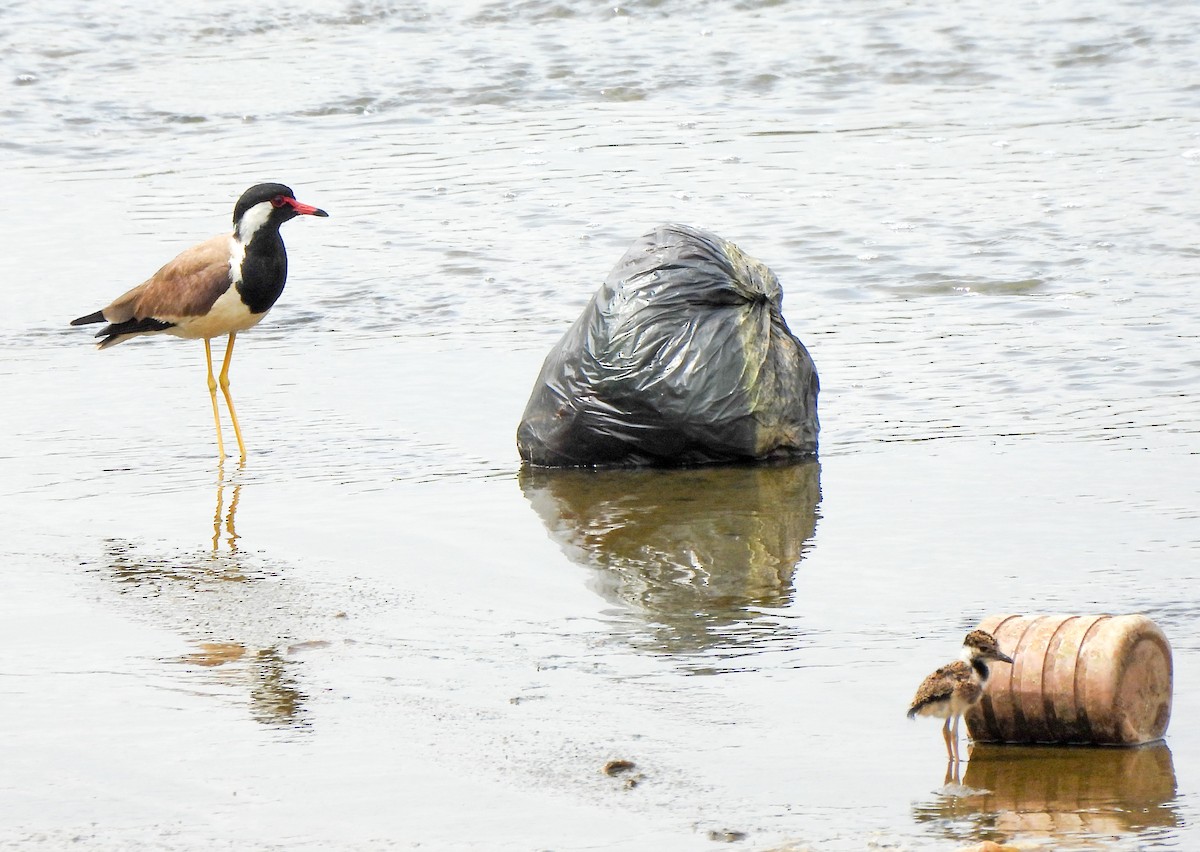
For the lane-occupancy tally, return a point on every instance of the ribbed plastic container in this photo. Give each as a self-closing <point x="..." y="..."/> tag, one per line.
<point x="1094" y="679"/>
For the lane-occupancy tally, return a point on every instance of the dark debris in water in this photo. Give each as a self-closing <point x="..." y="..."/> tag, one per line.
<point x="726" y="835"/>
<point x="625" y="769"/>
<point x="619" y="767"/>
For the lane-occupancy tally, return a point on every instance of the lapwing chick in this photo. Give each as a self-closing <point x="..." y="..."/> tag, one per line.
<point x="954" y="688"/>
<point x="219" y="287"/>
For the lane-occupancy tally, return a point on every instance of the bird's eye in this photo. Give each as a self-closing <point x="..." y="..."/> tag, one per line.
<point x="278" y="201"/>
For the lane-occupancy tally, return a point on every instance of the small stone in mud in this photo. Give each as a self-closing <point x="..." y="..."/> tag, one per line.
<point x="619" y="767"/>
<point x="726" y="835"/>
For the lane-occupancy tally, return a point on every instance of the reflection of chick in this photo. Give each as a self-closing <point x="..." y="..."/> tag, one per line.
<point x="951" y="690"/>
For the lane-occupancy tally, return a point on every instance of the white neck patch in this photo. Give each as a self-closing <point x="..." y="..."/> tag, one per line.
<point x="252" y="220"/>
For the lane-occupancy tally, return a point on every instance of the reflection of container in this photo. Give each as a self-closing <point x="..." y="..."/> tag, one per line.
<point x="1068" y="791"/>
<point x="1076" y="679"/>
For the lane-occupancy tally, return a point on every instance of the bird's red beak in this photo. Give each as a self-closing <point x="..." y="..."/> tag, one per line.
<point x="304" y="209"/>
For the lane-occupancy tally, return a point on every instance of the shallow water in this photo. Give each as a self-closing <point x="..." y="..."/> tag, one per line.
<point x="380" y="632"/>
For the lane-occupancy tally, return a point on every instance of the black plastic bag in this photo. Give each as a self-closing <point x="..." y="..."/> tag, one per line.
<point x="682" y="357"/>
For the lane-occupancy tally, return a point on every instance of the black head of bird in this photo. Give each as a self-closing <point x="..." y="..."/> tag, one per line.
<point x="271" y="203"/>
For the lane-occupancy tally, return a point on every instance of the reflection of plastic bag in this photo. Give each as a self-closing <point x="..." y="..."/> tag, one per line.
<point x="682" y="357"/>
<point x="698" y="554"/>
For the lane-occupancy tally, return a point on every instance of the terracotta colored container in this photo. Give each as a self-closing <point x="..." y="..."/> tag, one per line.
<point x="1096" y="679"/>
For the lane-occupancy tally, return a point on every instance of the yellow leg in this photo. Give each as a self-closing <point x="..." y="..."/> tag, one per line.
<point x="950" y="744"/>
<point x="212" y="392"/>
<point x="237" y="430"/>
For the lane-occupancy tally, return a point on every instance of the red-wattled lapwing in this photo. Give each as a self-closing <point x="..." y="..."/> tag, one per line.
<point x="951" y="690"/>
<point x="221" y="286"/>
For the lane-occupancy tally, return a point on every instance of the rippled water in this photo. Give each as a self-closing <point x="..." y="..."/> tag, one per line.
<point x="380" y="632"/>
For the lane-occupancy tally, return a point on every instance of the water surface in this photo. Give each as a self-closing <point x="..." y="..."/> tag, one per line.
<point x="380" y="633"/>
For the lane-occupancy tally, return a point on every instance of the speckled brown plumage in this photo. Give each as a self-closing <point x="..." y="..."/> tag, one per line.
<point x="952" y="689"/>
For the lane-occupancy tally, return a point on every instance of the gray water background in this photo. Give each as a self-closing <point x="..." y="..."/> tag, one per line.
<point x="379" y="634"/>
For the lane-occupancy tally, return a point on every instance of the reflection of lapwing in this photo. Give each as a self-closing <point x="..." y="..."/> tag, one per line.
<point x="952" y="689"/>
<point x="228" y="518"/>
<point x="221" y="286"/>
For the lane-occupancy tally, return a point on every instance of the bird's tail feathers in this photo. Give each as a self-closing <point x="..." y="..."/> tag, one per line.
<point x="118" y="332"/>
<point x="90" y="318"/>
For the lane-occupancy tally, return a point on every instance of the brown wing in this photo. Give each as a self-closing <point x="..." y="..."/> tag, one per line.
<point x="940" y="685"/>
<point x="186" y="287"/>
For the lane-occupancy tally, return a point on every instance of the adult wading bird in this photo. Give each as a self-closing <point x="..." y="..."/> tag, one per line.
<point x="221" y="286"/>
<point x="951" y="690"/>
